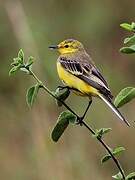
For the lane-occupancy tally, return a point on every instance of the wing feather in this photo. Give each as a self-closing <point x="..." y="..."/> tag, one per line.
<point x="88" y="73"/>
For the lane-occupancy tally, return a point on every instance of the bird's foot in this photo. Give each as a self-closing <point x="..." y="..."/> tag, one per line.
<point x="63" y="87"/>
<point x="79" y="121"/>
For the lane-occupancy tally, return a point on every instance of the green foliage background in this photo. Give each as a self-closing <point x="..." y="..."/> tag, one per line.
<point x="26" y="149"/>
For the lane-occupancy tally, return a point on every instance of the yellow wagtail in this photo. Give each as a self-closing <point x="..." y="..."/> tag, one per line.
<point x="78" y="72"/>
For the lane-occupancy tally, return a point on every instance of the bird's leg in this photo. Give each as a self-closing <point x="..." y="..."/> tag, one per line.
<point x="80" y="119"/>
<point x="86" y="109"/>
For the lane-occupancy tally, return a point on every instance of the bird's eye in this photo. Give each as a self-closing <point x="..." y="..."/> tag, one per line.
<point x="66" y="46"/>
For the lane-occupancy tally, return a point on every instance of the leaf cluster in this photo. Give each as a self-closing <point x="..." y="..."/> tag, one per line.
<point x="19" y="63"/>
<point x="128" y="93"/>
<point x="130" y="176"/>
<point x="129" y="41"/>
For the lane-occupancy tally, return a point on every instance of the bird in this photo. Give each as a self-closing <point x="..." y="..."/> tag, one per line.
<point x="79" y="73"/>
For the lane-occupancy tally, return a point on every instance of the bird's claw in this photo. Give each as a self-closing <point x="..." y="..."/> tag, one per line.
<point x="62" y="87"/>
<point x="79" y="121"/>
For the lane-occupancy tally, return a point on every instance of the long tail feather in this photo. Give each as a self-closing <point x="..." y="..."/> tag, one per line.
<point x="114" y="109"/>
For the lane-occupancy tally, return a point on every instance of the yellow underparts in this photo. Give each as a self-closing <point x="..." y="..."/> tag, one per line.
<point x="74" y="82"/>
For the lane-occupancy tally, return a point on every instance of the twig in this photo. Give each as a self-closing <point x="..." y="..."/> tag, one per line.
<point x="107" y="149"/>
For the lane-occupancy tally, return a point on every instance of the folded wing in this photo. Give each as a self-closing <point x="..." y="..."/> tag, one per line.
<point x="88" y="73"/>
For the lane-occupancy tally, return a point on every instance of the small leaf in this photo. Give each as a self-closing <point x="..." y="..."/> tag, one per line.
<point x="118" y="150"/>
<point x="118" y="176"/>
<point x="125" y="95"/>
<point x="72" y="119"/>
<point x="131" y="176"/>
<point x="21" y="56"/>
<point x="30" y="61"/>
<point x="115" y="152"/>
<point x="129" y="40"/>
<point x="16" y="62"/>
<point x="100" y="132"/>
<point x="128" y="50"/>
<point x="14" y="69"/>
<point x="126" y="26"/>
<point x="103" y="131"/>
<point x="105" y="158"/>
<point x="32" y="94"/>
<point x="61" y="125"/>
<point x="61" y="94"/>
<point x="133" y="25"/>
<point x="24" y="70"/>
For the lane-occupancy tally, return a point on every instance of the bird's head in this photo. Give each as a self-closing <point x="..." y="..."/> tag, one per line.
<point x="68" y="46"/>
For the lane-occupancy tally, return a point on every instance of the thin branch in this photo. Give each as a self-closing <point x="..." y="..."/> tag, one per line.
<point x="107" y="149"/>
<point x="116" y="161"/>
<point x="50" y="92"/>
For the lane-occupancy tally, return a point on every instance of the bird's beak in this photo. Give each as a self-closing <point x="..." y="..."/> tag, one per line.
<point x="53" y="47"/>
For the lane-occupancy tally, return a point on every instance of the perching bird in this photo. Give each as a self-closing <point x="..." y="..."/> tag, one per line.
<point x="78" y="72"/>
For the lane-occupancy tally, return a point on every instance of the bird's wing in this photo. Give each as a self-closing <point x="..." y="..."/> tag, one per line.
<point x="88" y="73"/>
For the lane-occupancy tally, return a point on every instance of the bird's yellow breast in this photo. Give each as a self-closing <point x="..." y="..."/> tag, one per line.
<point x="74" y="82"/>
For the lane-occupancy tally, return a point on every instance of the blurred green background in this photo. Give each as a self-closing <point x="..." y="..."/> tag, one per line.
<point x="26" y="149"/>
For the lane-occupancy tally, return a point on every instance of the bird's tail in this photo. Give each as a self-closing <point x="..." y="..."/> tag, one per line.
<point x="114" y="108"/>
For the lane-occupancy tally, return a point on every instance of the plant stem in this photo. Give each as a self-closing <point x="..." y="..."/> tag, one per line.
<point x="50" y="92"/>
<point x="84" y="123"/>
<point x="107" y="149"/>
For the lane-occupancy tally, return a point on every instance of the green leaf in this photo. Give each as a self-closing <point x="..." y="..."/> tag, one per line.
<point x="118" y="176"/>
<point x="32" y="94"/>
<point x="30" y="61"/>
<point x="115" y="152"/>
<point x="14" y="70"/>
<point x="125" y="96"/>
<point x="61" y="125"/>
<point x="24" y="70"/>
<point x="100" y="132"/>
<point x="118" y="150"/>
<point x="128" y="50"/>
<point x="105" y="158"/>
<point x="61" y="94"/>
<point x="127" y="26"/>
<point x="130" y="40"/>
<point x="133" y="25"/>
<point x="72" y="118"/>
<point x="16" y="62"/>
<point x="21" y="56"/>
<point x="131" y="176"/>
